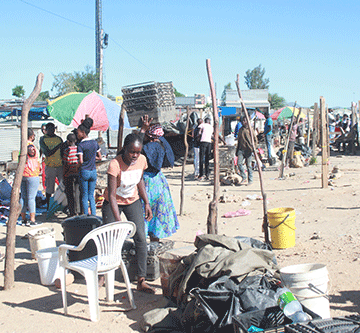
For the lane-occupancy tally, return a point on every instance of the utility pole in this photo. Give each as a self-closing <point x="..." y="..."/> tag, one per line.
<point x="98" y="27"/>
<point x="101" y="43"/>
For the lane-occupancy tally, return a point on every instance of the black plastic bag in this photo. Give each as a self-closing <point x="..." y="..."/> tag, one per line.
<point x="212" y="309"/>
<point x="256" y="293"/>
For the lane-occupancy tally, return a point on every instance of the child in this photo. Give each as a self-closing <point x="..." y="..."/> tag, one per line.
<point x="71" y="165"/>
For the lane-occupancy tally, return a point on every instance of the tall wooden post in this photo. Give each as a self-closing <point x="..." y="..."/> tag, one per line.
<point x="315" y="130"/>
<point x="308" y="129"/>
<point x="324" y="144"/>
<point x="265" y="225"/>
<point x="185" y="158"/>
<point x="283" y="161"/>
<point x="121" y="128"/>
<point x="15" y="207"/>
<point x="212" y="217"/>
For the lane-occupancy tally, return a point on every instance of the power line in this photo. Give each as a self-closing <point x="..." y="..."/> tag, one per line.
<point x="132" y="55"/>
<point x="52" y="13"/>
<point x="86" y="26"/>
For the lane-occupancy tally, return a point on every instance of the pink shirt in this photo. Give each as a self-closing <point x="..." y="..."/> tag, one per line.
<point x="206" y="132"/>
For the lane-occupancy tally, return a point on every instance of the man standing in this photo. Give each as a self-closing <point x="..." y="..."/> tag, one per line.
<point x="206" y="132"/>
<point x="268" y="127"/>
<point x="244" y="151"/>
<point x="50" y="145"/>
<point x="292" y="139"/>
<point x="196" y="140"/>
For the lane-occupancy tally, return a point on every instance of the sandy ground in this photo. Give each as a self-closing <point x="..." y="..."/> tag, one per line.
<point x="327" y="232"/>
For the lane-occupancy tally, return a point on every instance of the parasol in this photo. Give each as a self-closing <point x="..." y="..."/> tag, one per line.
<point x="73" y="108"/>
<point x="286" y="113"/>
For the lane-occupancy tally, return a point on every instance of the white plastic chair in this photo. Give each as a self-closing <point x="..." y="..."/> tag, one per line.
<point x="109" y="240"/>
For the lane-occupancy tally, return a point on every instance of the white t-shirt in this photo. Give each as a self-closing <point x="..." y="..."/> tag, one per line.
<point x="206" y="132"/>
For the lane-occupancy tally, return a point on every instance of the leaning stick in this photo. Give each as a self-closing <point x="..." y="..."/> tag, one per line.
<point x="185" y="158"/>
<point x="283" y="160"/>
<point x="212" y="217"/>
<point x="265" y="225"/>
<point x="14" y="202"/>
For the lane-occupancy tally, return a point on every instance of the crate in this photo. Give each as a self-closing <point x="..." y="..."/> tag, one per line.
<point x="152" y="265"/>
<point x="345" y="324"/>
<point x="271" y="320"/>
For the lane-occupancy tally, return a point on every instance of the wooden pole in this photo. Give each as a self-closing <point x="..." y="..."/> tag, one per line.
<point x="212" y="217"/>
<point x="265" y="225"/>
<point x="283" y="160"/>
<point x="315" y="130"/>
<point x="185" y="158"/>
<point x="324" y="144"/>
<point x="308" y="129"/>
<point x="15" y="206"/>
<point x="121" y="128"/>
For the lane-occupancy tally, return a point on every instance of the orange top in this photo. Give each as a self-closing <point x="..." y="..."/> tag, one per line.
<point x="128" y="177"/>
<point x="32" y="165"/>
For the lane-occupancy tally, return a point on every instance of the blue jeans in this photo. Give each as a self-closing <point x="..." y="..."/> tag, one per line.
<point x="242" y="155"/>
<point x="87" y="188"/>
<point x="29" y="188"/>
<point x="268" y="141"/>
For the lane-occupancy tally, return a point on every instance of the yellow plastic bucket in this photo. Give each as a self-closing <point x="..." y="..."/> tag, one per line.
<point x="282" y="227"/>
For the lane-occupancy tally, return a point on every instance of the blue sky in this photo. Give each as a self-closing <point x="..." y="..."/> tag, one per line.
<point x="308" y="48"/>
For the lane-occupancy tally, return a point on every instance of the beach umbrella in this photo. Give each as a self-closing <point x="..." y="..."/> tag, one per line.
<point x="73" y="108"/>
<point x="286" y="113"/>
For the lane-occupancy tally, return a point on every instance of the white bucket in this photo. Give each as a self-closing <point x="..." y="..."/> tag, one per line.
<point x="48" y="262"/>
<point x="41" y="238"/>
<point x="309" y="283"/>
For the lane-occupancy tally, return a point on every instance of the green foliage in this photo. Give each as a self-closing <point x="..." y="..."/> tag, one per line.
<point x="85" y="81"/>
<point x="223" y="95"/>
<point x="18" y="91"/>
<point x="178" y="94"/>
<point x="276" y="102"/>
<point x="255" y="79"/>
<point x="43" y="96"/>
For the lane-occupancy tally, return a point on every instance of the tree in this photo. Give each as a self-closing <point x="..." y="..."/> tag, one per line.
<point x="255" y="79"/>
<point x="43" y="96"/>
<point x="18" y="91"/>
<point x="276" y="102"/>
<point x="85" y="81"/>
<point x="223" y="95"/>
<point x="178" y="94"/>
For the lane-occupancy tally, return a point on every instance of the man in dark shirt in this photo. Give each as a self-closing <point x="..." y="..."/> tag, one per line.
<point x="244" y="151"/>
<point x="196" y="140"/>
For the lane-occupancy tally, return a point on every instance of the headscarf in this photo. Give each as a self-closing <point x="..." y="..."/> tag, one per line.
<point x="155" y="131"/>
